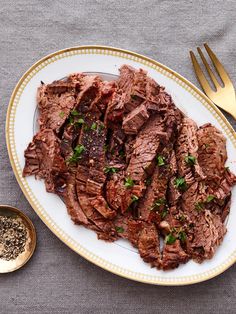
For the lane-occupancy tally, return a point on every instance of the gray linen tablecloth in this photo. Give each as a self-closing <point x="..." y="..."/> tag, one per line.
<point x="57" y="280"/>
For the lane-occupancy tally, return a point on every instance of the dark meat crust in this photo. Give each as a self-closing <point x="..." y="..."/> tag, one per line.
<point x="118" y="155"/>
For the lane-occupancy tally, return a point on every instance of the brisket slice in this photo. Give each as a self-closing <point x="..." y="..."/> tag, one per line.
<point x="173" y="255"/>
<point x="187" y="145"/>
<point x="54" y="108"/>
<point x="212" y="153"/>
<point x="212" y="156"/>
<point x="145" y="148"/>
<point x="43" y="159"/>
<point x="69" y="136"/>
<point x="156" y="191"/>
<point x="71" y="200"/>
<point x="100" y="204"/>
<point x="207" y="229"/>
<point x="149" y="245"/>
<point x="132" y="83"/>
<point x="120" y="197"/>
<point x="106" y="228"/>
<point x="89" y="93"/>
<point x="133" y="122"/>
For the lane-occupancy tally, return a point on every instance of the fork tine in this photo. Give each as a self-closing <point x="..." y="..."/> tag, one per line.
<point x="211" y="74"/>
<point x="200" y="75"/>
<point x="218" y="66"/>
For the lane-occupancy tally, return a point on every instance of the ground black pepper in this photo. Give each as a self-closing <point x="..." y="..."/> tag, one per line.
<point x="13" y="237"/>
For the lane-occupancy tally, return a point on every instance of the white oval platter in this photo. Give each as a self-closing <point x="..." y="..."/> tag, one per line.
<point x="119" y="257"/>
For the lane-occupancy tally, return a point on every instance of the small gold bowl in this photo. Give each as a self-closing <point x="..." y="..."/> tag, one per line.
<point x="12" y="265"/>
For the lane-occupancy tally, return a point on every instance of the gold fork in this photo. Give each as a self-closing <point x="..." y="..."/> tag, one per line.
<point x="223" y="96"/>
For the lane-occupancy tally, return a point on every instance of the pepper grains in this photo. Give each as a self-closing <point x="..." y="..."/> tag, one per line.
<point x="13" y="237"/>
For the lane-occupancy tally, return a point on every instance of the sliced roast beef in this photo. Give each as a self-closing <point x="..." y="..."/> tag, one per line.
<point x="149" y="245"/>
<point x="173" y="255"/>
<point x="135" y="228"/>
<point x="100" y="204"/>
<point x="154" y="204"/>
<point x="212" y="153"/>
<point x="89" y="92"/>
<point x="120" y="196"/>
<point x="145" y="148"/>
<point x="43" y="159"/>
<point x="54" y="108"/>
<point x="135" y="120"/>
<point x="129" y="164"/>
<point x="187" y="152"/>
<point x="132" y="83"/>
<point x="106" y="227"/>
<point x="208" y="228"/>
<point x="71" y="200"/>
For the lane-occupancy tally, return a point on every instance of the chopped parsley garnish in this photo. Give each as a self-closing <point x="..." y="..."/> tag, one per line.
<point x="129" y="183"/>
<point x="134" y="97"/>
<point x="170" y="239"/>
<point x="158" y="203"/>
<point x="180" y="183"/>
<point x="74" y="112"/>
<point x="199" y="206"/>
<point x="148" y="181"/>
<point x="190" y="160"/>
<point x="110" y="169"/>
<point x="80" y="121"/>
<point x="79" y="149"/>
<point x="210" y="198"/>
<point x="182" y="236"/>
<point x="94" y="126"/>
<point x="182" y="217"/>
<point x="121" y="153"/>
<point x="61" y="114"/>
<point x="120" y="229"/>
<point x="160" y="160"/>
<point x="71" y="120"/>
<point x="101" y="127"/>
<point x="86" y="128"/>
<point x="134" y="198"/>
<point x="164" y="212"/>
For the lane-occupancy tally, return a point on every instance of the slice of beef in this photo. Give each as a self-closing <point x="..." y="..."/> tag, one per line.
<point x="100" y="204"/>
<point x="71" y="200"/>
<point x="152" y="91"/>
<point x="212" y="153"/>
<point x="149" y="245"/>
<point x="54" y="108"/>
<point x="43" y="159"/>
<point x="107" y="90"/>
<point x="154" y="204"/>
<point x="187" y="146"/>
<point x="145" y="148"/>
<point x="135" y="228"/>
<point x="133" y="122"/>
<point x="115" y="109"/>
<point x="212" y="157"/>
<point x="132" y="83"/>
<point x="89" y="93"/>
<point x="173" y="255"/>
<point x="208" y="235"/>
<point x="122" y="223"/>
<point x="70" y="133"/>
<point x="115" y="146"/>
<point x="118" y="196"/>
<point x="106" y="228"/>
<point x="207" y="227"/>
